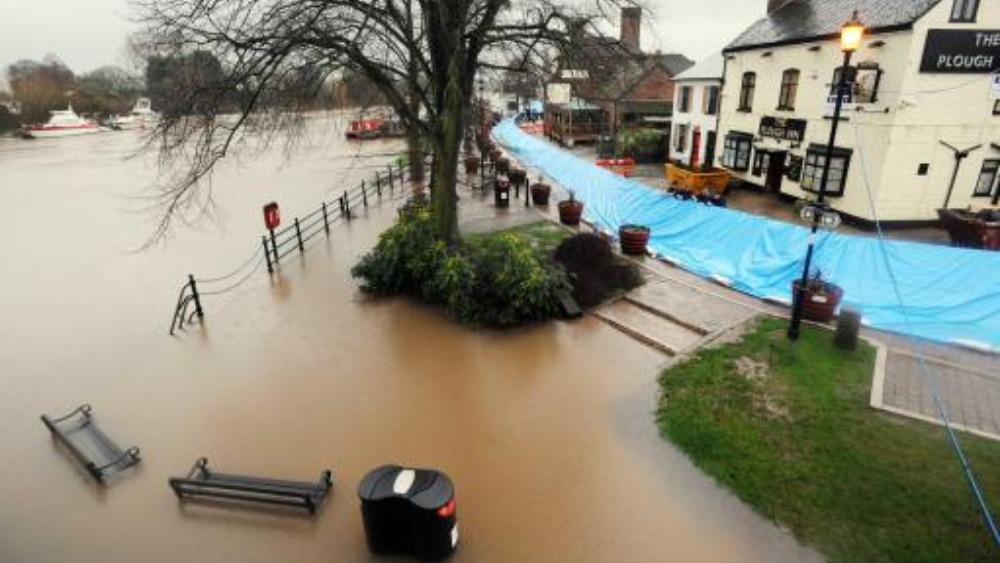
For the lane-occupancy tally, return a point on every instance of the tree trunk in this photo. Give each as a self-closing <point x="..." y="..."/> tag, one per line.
<point x="448" y="144"/>
<point x="414" y="141"/>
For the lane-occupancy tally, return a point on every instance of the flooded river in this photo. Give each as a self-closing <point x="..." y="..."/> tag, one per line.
<point x="547" y="433"/>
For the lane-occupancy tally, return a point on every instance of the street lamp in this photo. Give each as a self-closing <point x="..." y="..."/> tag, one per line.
<point x="851" y="35"/>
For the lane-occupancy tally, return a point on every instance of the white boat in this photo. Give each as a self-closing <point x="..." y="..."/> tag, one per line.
<point x="62" y="123"/>
<point x="142" y="116"/>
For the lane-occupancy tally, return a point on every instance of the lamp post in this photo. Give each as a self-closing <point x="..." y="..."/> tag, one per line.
<point x="851" y="35"/>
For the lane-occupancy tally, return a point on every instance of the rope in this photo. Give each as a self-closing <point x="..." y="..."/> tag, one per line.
<point x="234" y="272"/>
<point x="925" y="372"/>
<point x="238" y="283"/>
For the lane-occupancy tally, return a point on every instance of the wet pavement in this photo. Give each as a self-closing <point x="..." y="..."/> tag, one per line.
<point x="547" y="432"/>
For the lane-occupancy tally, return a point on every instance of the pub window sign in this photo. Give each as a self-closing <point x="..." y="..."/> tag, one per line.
<point x="781" y="128"/>
<point x="962" y="51"/>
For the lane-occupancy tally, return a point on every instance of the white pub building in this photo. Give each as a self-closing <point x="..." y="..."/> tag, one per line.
<point x="921" y="126"/>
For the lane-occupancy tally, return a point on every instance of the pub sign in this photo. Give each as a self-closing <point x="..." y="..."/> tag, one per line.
<point x="961" y="51"/>
<point x="782" y="128"/>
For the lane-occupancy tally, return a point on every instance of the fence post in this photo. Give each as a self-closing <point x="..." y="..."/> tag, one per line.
<point x="347" y="206"/>
<point x="378" y="184"/>
<point x="326" y="220"/>
<point x="274" y="246"/>
<point x="482" y="170"/>
<point x="364" y="193"/>
<point x="527" y="192"/>
<point x="298" y="235"/>
<point x="267" y="255"/>
<point x="197" y="300"/>
<point x="392" y="185"/>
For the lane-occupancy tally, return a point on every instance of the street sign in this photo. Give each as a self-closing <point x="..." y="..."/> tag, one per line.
<point x="558" y="93"/>
<point x="272" y="218"/>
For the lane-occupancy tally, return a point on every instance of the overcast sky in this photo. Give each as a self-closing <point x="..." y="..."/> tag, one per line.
<point x="87" y="34"/>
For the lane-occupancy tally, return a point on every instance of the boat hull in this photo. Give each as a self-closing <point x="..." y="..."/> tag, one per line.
<point x="49" y="133"/>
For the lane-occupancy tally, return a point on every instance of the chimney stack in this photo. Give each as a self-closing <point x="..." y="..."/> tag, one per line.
<point x="631" y="25"/>
<point x="775" y="5"/>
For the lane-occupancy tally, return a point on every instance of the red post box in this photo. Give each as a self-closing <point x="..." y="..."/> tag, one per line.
<point x="272" y="218"/>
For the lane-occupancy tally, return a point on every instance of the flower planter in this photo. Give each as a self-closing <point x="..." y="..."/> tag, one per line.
<point x="633" y="239"/>
<point x="540" y="193"/>
<point x="517" y="175"/>
<point x="570" y="212"/>
<point x="471" y="164"/>
<point x="495" y="154"/>
<point x="820" y="301"/>
<point x="503" y="165"/>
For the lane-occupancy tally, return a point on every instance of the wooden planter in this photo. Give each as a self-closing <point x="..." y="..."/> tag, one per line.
<point x="712" y="182"/>
<point x="819" y="304"/>
<point x="633" y="239"/>
<point x="540" y="193"/>
<point x="471" y="164"/>
<point x="570" y="212"/>
<point x="968" y="230"/>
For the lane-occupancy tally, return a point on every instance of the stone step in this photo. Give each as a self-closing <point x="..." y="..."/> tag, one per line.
<point x="700" y="311"/>
<point x="650" y="328"/>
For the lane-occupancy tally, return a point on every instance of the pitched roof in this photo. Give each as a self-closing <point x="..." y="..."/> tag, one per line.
<point x="805" y="20"/>
<point x="709" y="68"/>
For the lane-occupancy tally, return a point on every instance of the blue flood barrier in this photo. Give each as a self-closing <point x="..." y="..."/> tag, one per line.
<point x="949" y="294"/>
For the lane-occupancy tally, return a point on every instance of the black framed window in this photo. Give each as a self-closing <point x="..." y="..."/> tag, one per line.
<point x="987" y="178"/>
<point x="794" y="169"/>
<point x="710" y="100"/>
<point x="964" y="10"/>
<point x="685" y="99"/>
<point x="789" y="89"/>
<point x="747" y="88"/>
<point x="736" y="151"/>
<point x="680" y="141"/>
<point x="862" y="83"/>
<point x="996" y="107"/>
<point x="812" y="171"/>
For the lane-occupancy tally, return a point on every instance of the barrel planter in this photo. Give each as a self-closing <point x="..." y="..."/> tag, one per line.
<point x="570" y="211"/>
<point x="503" y="165"/>
<point x="495" y="154"/>
<point x="471" y="164"/>
<point x="820" y="299"/>
<point x="540" y="193"/>
<point x="633" y="239"/>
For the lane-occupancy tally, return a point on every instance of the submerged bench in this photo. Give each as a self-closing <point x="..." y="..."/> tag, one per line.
<point x="92" y="447"/>
<point x="203" y="482"/>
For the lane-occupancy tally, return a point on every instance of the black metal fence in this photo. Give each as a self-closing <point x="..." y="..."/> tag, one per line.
<point x="278" y="245"/>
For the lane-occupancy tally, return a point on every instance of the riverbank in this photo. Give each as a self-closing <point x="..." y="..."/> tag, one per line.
<point x="787" y="427"/>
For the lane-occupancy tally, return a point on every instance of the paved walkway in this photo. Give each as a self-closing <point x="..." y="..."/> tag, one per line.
<point x="677" y="312"/>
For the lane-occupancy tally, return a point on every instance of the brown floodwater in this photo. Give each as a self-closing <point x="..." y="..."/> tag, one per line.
<point x="548" y="432"/>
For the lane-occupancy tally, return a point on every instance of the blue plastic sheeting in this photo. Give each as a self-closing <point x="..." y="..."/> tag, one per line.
<point x="949" y="294"/>
<point x="536" y="106"/>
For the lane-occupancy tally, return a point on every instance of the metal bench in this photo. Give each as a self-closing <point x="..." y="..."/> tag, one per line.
<point x="92" y="447"/>
<point x="203" y="482"/>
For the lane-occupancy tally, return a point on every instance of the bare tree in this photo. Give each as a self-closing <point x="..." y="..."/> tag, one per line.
<point x="422" y="55"/>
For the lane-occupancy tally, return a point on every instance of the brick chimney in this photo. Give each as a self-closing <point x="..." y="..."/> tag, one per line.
<point x="775" y="5"/>
<point x="631" y="25"/>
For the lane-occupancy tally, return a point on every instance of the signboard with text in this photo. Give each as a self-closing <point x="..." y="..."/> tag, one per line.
<point x="961" y="51"/>
<point x="781" y="128"/>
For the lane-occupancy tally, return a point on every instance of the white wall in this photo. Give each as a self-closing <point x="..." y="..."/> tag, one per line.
<point x="693" y="118"/>
<point x="892" y="136"/>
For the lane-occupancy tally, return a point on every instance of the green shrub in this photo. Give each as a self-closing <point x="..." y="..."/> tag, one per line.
<point x="497" y="280"/>
<point x="404" y="260"/>
<point x="596" y="272"/>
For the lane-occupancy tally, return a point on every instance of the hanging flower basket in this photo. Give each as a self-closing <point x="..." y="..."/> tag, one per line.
<point x="633" y="239"/>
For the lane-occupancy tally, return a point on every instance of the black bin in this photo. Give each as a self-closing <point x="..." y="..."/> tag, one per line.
<point x="501" y="192"/>
<point x="409" y="511"/>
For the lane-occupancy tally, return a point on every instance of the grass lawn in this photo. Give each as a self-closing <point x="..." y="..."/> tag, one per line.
<point x="543" y="235"/>
<point x="787" y="427"/>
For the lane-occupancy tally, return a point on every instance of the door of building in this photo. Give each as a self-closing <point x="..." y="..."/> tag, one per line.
<point x="696" y="147"/>
<point x="710" y="150"/>
<point x="774" y="170"/>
